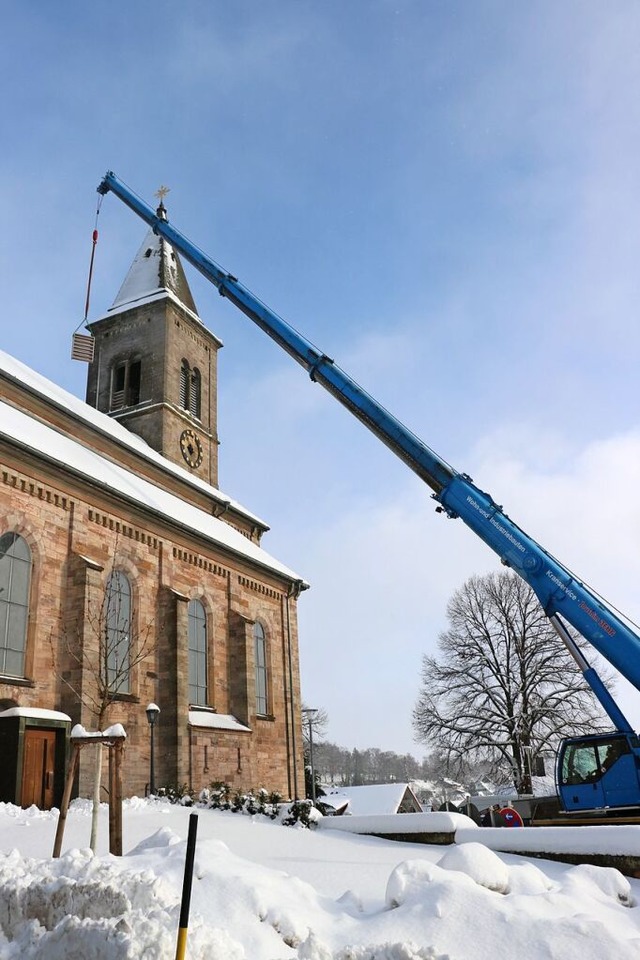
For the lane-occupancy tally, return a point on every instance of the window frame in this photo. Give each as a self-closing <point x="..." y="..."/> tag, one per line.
<point x="261" y="667"/>
<point x="198" y="629"/>
<point x="190" y="389"/>
<point x="112" y="667"/>
<point x="126" y="380"/>
<point x="185" y="384"/>
<point x="13" y="605"/>
<point x="195" y="394"/>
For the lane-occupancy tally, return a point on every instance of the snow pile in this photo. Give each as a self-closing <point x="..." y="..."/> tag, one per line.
<point x="482" y="865"/>
<point x="262" y="891"/>
<point x="485" y="894"/>
<point x="83" y="907"/>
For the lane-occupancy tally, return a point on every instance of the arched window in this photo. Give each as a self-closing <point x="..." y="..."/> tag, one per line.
<point x="197" y="653"/>
<point x="185" y="384"/>
<point x="116" y="655"/>
<point x="15" y="578"/>
<point x="194" y="397"/>
<point x="260" y="647"/>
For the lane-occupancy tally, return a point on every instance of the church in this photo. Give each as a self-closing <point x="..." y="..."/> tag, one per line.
<point x="127" y="578"/>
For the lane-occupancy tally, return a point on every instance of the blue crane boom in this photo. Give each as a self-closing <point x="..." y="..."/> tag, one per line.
<point x="563" y="596"/>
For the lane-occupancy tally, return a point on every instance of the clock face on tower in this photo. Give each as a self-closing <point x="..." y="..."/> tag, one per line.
<point x="191" y="448"/>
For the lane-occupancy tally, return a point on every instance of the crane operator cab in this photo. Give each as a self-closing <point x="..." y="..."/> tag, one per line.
<point x="599" y="772"/>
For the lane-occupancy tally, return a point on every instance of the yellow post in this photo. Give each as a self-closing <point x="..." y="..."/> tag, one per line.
<point x="181" y="945"/>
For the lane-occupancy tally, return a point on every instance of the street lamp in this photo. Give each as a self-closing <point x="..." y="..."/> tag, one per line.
<point x="152" y="715"/>
<point x="310" y="713"/>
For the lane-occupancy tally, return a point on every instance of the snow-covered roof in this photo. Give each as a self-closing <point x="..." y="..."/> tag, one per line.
<point x="215" y="721"/>
<point x="156" y="267"/>
<point x="69" y="454"/>
<point x="115" y="731"/>
<point x="36" y="713"/>
<point x="369" y="799"/>
<point x="54" y="394"/>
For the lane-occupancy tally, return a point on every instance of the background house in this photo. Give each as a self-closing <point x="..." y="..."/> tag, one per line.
<point x="373" y="799"/>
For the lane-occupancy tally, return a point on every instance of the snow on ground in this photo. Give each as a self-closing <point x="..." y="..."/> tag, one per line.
<point x="262" y="891"/>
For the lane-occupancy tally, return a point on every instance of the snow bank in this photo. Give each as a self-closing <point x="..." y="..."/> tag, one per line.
<point x="403" y="823"/>
<point x="262" y="891"/>
<point x="81" y="908"/>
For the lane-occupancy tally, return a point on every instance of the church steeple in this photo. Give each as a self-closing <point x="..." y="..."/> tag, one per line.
<point x="155" y="365"/>
<point x="156" y="268"/>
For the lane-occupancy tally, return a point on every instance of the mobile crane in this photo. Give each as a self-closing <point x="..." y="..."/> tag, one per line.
<point x="593" y="773"/>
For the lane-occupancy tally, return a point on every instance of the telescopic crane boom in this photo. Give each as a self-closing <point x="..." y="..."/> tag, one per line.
<point x="564" y="598"/>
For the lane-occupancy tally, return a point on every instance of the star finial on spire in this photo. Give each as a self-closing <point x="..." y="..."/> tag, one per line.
<point x="161" y="193"/>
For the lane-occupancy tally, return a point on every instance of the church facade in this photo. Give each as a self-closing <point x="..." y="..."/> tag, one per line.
<point x="127" y="578"/>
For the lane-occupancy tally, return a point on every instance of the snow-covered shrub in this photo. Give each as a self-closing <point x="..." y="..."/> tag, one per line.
<point x="176" y="793"/>
<point x="269" y="803"/>
<point x="265" y="803"/>
<point x="218" y="796"/>
<point x="261" y="803"/>
<point x="298" y="812"/>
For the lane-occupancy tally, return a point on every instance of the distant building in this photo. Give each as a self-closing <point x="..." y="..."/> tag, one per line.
<point x="121" y="561"/>
<point x="373" y="799"/>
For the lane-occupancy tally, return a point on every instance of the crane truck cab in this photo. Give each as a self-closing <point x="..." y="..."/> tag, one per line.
<point x="599" y="772"/>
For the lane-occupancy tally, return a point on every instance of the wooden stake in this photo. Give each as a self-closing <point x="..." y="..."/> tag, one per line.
<point x="116" y="748"/>
<point x="66" y="797"/>
<point x="115" y="798"/>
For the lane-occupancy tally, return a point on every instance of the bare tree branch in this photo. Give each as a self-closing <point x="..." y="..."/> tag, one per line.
<point x="318" y="722"/>
<point x="108" y="647"/>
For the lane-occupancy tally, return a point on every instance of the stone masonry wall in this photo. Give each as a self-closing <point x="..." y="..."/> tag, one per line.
<point x="77" y="537"/>
<point x="159" y="334"/>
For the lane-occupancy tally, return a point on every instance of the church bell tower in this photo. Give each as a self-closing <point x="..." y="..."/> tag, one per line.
<point x="155" y="363"/>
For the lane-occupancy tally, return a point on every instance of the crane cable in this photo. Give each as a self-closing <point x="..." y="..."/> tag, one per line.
<point x="93" y="253"/>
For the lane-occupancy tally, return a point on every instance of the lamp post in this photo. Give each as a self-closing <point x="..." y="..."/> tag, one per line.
<point x="309" y="713"/>
<point x="152" y="715"/>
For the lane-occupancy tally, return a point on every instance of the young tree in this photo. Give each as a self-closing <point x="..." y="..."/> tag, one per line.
<point x="105" y="649"/>
<point x="504" y="687"/>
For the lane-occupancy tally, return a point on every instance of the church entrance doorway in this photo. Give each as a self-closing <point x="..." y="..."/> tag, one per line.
<point x="38" y="768"/>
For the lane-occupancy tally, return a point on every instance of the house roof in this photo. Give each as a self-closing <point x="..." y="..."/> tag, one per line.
<point x="68" y="455"/>
<point x="113" y="430"/>
<point x="370" y="799"/>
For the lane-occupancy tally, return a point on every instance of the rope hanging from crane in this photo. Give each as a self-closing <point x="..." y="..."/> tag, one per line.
<point x="83" y="344"/>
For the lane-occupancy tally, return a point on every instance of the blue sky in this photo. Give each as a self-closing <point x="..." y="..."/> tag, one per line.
<point x="443" y="196"/>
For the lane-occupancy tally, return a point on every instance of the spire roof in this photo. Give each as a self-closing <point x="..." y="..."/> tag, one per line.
<point x="156" y="268"/>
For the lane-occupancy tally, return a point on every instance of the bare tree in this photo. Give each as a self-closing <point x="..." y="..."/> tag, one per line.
<point x="340" y="766"/>
<point x="330" y="763"/>
<point x="504" y="687"/>
<point x="105" y="651"/>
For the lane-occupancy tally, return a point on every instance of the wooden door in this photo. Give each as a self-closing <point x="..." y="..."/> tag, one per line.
<point x="38" y="768"/>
